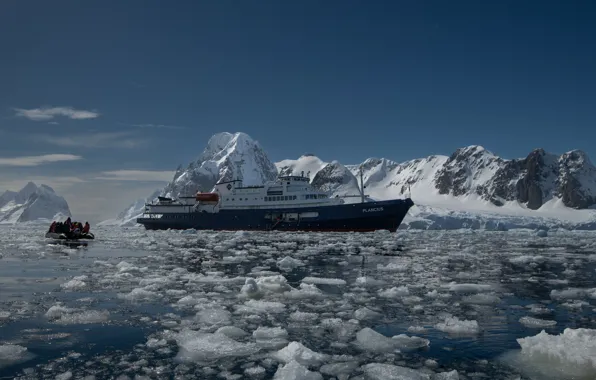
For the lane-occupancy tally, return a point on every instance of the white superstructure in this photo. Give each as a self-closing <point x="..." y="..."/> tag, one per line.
<point x="285" y="192"/>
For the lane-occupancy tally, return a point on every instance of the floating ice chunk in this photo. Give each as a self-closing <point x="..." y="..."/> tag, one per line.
<point x="538" y="309"/>
<point x="378" y="371"/>
<point x="76" y="283"/>
<point x="124" y="266"/>
<point x="342" y="331"/>
<point x="12" y="354"/>
<point x="257" y="372"/>
<point x="395" y="292"/>
<point x="570" y="355"/>
<point x="570" y="293"/>
<point x="301" y="316"/>
<point x="451" y="375"/>
<point x="4" y="315"/>
<point x="214" y="316"/>
<point x="405" y="342"/>
<point x="232" y="331"/>
<point x="274" y="284"/>
<point x="368" y="281"/>
<point x="156" y="343"/>
<point x="255" y="307"/>
<point x="83" y="317"/>
<point x="340" y="370"/>
<point x="304" y="291"/>
<point x="368" y="339"/>
<point x="187" y="300"/>
<point x="57" y="311"/>
<point x="323" y="281"/>
<point x="481" y="299"/>
<point x="205" y="347"/>
<point x="536" y="322"/>
<point x="140" y="294"/>
<point x="288" y="263"/>
<point x="469" y="288"/>
<point x="250" y="289"/>
<point x="416" y="329"/>
<point x="270" y="337"/>
<point x="64" y="376"/>
<point x="295" y="371"/>
<point x="453" y="325"/>
<point x="365" y="313"/>
<point x="296" y="351"/>
<point x="394" y="267"/>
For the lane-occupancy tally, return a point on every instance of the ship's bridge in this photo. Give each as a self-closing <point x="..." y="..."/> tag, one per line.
<point x="294" y="178"/>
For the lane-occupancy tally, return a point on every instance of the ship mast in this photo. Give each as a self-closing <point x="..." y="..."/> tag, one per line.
<point x="361" y="186"/>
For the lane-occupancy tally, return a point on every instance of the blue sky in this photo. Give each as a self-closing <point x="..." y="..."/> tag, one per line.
<point x="142" y="85"/>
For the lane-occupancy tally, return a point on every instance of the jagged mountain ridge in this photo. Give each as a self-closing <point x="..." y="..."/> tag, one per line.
<point x="475" y="172"/>
<point x="32" y="203"/>
<point x="469" y="173"/>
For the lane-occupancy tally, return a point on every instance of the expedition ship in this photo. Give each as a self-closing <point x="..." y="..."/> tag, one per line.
<point x="289" y="203"/>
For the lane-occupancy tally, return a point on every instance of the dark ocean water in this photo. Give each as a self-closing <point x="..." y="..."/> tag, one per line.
<point x="139" y="304"/>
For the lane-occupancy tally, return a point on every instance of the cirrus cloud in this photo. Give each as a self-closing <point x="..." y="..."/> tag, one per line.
<point x="48" y="113"/>
<point x="37" y="160"/>
<point x="95" y="140"/>
<point x="138" y="175"/>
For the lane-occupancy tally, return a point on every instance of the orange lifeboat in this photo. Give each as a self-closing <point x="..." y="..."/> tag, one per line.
<point x="207" y="197"/>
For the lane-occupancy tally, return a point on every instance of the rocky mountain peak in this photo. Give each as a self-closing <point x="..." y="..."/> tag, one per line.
<point x="31" y="203"/>
<point x="227" y="156"/>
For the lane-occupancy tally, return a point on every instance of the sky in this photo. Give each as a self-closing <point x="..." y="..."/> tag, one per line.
<point x="102" y="100"/>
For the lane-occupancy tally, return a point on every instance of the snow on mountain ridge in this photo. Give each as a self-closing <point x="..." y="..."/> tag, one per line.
<point x="32" y="203"/>
<point x="472" y="178"/>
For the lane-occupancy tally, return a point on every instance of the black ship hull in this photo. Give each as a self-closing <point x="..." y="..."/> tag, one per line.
<point x="352" y="217"/>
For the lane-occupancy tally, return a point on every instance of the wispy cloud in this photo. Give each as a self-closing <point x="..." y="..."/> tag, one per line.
<point x="137" y="175"/>
<point x="48" y="113"/>
<point x="158" y="126"/>
<point x="37" y="160"/>
<point x="95" y="140"/>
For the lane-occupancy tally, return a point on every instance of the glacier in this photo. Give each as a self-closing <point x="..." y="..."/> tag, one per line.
<point x="32" y="204"/>
<point x="472" y="188"/>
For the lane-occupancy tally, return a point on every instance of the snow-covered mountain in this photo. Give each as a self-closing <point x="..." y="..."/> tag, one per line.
<point x="32" y="203"/>
<point x="227" y="156"/>
<point x="472" y="179"/>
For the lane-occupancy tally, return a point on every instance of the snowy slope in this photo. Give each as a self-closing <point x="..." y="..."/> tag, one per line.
<point x="32" y="203"/>
<point x="308" y="165"/>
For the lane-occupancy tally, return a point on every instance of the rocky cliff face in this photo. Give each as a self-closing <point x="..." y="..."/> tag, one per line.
<point x="532" y="180"/>
<point x="227" y="156"/>
<point x="32" y="203"/>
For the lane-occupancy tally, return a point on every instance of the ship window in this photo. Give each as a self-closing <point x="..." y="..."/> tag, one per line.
<point x="227" y="199"/>
<point x="293" y="197"/>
